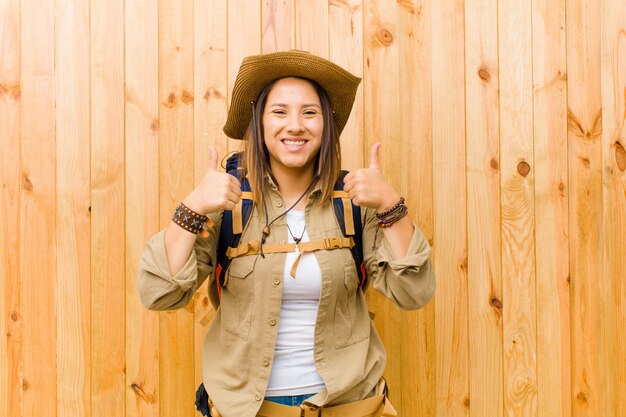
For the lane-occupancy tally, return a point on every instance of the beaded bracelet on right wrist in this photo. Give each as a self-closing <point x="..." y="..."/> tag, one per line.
<point x="391" y="216"/>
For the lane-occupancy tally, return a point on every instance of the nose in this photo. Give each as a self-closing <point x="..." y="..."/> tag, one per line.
<point x="294" y="123"/>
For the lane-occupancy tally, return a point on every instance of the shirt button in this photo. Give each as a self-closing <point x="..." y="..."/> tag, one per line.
<point x="282" y="242"/>
<point x="279" y="204"/>
<point x="266" y="362"/>
<point x="276" y="281"/>
<point x="272" y="322"/>
<point x="257" y="397"/>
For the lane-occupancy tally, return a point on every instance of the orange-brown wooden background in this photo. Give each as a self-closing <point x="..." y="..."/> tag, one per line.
<point x="502" y="122"/>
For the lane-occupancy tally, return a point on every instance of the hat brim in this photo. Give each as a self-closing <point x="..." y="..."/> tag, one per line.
<point x="257" y="71"/>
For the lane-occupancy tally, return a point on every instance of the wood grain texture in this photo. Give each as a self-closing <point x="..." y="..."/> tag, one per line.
<point x="244" y="39"/>
<point x="176" y="97"/>
<point x="613" y="61"/>
<point x="517" y="209"/>
<point x="38" y="248"/>
<point x="107" y="209"/>
<point x="381" y="91"/>
<point x="277" y="25"/>
<point x="210" y="83"/>
<point x="483" y="209"/>
<point x="585" y="207"/>
<point x="471" y="100"/>
<point x="142" y="202"/>
<point x="73" y="208"/>
<point x="10" y="279"/>
<point x="413" y="150"/>
<point x="345" y="33"/>
<point x="450" y="202"/>
<point x="311" y="24"/>
<point x="551" y="208"/>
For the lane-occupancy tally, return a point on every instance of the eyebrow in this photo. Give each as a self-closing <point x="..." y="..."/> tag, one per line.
<point x="285" y="105"/>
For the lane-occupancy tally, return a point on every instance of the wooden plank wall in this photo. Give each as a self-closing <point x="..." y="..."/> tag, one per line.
<point x="501" y="122"/>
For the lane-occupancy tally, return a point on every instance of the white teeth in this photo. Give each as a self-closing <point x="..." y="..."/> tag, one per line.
<point x="294" y="142"/>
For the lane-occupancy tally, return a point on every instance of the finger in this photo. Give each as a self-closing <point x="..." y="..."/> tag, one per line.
<point x="212" y="159"/>
<point x="374" y="160"/>
<point x="234" y="196"/>
<point x="234" y="182"/>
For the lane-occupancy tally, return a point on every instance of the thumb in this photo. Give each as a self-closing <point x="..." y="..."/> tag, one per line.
<point x="374" y="160"/>
<point x="212" y="159"/>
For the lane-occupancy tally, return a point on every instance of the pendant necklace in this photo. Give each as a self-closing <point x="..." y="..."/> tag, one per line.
<point x="294" y="267"/>
<point x="297" y="240"/>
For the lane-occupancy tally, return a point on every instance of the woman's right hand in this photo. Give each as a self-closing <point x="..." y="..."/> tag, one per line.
<point x="217" y="190"/>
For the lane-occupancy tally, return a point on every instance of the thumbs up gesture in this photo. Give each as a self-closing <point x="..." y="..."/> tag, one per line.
<point x="217" y="190"/>
<point x="368" y="188"/>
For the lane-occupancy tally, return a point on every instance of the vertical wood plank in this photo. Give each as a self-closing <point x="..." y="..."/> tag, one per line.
<point x="107" y="209"/>
<point x="517" y="209"/>
<point x="345" y="33"/>
<point x="414" y="152"/>
<point x="311" y="24"/>
<point x="613" y="61"/>
<point x="277" y="33"/>
<point x="73" y="211"/>
<point x="450" y="244"/>
<point x="381" y="91"/>
<point x="176" y="53"/>
<point x="38" y="373"/>
<point x="551" y="208"/>
<point x="244" y="39"/>
<point x="483" y="208"/>
<point x="210" y="84"/>
<point x="142" y="201"/>
<point x="10" y="309"/>
<point x="585" y="207"/>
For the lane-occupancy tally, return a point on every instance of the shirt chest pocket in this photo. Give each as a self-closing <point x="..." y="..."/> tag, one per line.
<point x="351" y="321"/>
<point x="238" y="297"/>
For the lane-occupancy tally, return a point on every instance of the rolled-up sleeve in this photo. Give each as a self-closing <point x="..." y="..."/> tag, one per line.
<point x="157" y="288"/>
<point x="408" y="281"/>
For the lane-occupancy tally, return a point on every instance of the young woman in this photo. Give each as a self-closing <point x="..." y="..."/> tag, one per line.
<point x="292" y="334"/>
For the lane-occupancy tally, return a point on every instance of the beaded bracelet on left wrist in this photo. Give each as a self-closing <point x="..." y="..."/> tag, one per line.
<point x="188" y="219"/>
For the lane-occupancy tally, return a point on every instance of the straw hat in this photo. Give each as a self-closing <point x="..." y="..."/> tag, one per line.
<point x="259" y="70"/>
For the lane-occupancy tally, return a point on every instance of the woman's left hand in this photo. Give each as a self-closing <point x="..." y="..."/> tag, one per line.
<point x="367" y="187"/>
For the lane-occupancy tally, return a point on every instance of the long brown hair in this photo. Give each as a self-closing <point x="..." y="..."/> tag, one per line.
<point x="256" y="161"/>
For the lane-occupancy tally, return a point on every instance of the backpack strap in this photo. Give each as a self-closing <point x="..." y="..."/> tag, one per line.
<point x="233" y="223"/>
<point x="349" y="218"/>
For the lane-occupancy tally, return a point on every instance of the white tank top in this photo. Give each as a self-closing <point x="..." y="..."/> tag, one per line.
<point x="293" y="368"/>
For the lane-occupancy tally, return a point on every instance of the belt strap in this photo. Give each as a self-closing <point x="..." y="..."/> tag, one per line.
<point x="254" y="246"/>
<point x="369" y="407"/>
<point x="377" y="406"/>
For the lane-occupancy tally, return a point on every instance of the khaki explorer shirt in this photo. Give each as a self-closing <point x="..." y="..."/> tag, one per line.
<point x="239" y="345"/>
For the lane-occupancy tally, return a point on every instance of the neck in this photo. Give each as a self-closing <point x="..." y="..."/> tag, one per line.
<point x="293" y="184"/>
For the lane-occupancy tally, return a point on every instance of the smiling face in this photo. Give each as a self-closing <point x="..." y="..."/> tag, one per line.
<point x="293" y="124"/>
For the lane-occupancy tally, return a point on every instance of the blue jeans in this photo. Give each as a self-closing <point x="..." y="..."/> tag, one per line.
<point x="292" y="400"/>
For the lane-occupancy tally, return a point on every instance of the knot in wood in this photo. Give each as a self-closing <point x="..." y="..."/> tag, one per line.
<point x="385" y="37"/>
<point x="186" y="97"/>
<point x="484" y="74"/>
<point x="171" y="100"/>
<point x="26" y="184"/>
<point x="620" y="156"/>
<point x="154" y="126"/>
<point x="523" y="168"/>
<point x="494" y="164"/>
